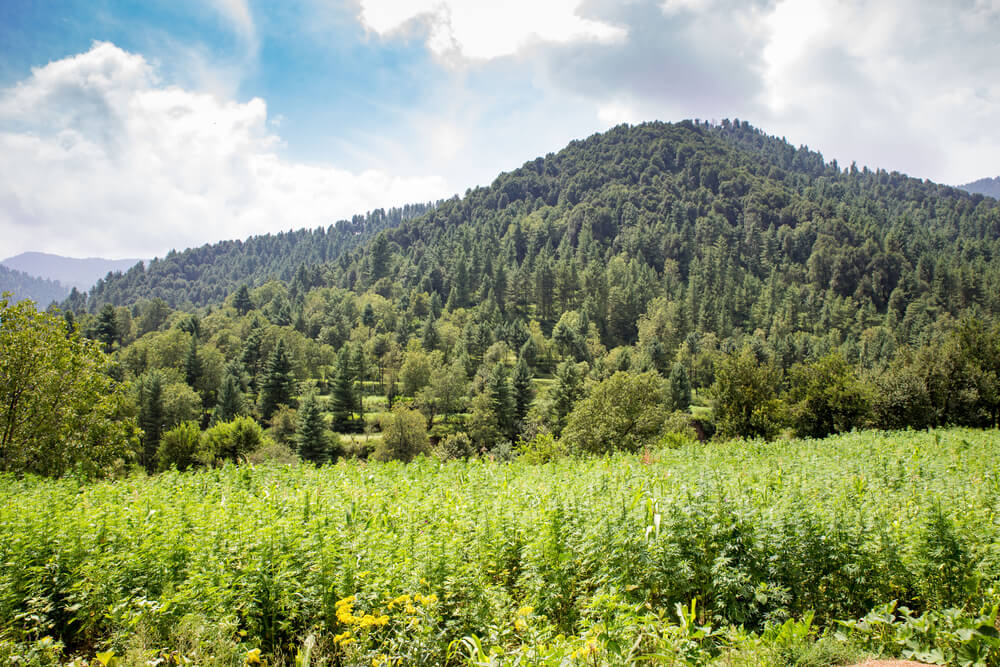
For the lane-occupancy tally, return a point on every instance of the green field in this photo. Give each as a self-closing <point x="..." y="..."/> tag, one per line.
<point x="581" y="560"/>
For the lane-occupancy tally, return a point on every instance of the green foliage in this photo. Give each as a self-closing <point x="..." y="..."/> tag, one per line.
<point x="179" y="447"/>
<point x="745" y="395"/>
<point x="679" y="387"/>
<point x="60" y="409"/>
<point x="457" y="446"/>
<point x="622" y="413"/>
<point x="278" y="384"/>
<point x="232" y="441"/>
<point x="404" y="435"/>
<point x="225" y="561"/>
<point x="937" y="637"/>
<point x="311" y="439"/>
<point x="826" y="397"/>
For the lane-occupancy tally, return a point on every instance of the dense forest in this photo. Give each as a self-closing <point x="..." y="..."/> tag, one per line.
<point x="708" y="272"/>
<point x="24" y="286"/>
<point x="206" y="275"/>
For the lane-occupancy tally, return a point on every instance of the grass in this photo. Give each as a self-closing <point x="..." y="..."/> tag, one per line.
<point x="580" y="556"/>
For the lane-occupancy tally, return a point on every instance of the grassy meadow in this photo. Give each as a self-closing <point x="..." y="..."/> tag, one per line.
<point x="732" y="553"/>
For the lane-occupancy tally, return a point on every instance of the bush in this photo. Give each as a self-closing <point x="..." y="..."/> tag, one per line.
<point x="457" y="446"/>
<point x="179" y="447"/>
<point x="542" y="448"/>
<point x="404" y="435"/>
<point x="233" y="441"/>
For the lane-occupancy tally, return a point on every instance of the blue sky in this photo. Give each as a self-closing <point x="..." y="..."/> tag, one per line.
<point x="127" y="128"/>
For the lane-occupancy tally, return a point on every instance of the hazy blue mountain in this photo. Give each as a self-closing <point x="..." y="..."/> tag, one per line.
<point x="984" y="186"/>
<point x="70" y="271"/>
<point x="41" y="291"/>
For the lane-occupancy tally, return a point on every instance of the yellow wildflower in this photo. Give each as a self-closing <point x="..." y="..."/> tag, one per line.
<point x="253" y="657"/>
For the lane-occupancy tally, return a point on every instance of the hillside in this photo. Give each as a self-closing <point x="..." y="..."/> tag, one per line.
<point x="70" y="271"/>
<point x="23" y="286"/>
<point x="206" y="275"/>
<point x="984" y="186"/>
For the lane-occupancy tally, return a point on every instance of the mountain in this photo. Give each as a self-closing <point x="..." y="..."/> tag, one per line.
<point x="984" y="186"/>
<point x="206" y="275"/>
<point x="41" y="291"/>
<point x="656" y="232"/>
<point x="70" y="271"/>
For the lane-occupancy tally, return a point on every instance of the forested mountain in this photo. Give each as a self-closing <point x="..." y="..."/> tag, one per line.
<point x="23" y="286"/>
<point x="206" y="275"/>
<point x="984" y="186"/>
<point x="707" y="272"/>
<point x="70" y="271"/>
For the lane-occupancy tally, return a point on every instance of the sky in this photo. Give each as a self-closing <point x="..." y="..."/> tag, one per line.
<point x="131" y="128"/>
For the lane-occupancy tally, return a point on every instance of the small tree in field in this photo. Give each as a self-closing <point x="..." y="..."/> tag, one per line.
<point x="311" y="439"/>
<point x="404" y="435"/>
<point x="623" y="413"/>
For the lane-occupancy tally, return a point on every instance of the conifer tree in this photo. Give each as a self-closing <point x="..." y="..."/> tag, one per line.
<point x="230" y="401"/>
<point x="311" y="438"/>
<point x="278" y="383"/>
<point x="501" y="403"/>
<point x="522" y="391"/>
<point x="151" y="417"/>
<point x="193" y="367"/>
<point x="241" y="300"/>
<point x="680" y="387"/>
<point x="344" y="399"/>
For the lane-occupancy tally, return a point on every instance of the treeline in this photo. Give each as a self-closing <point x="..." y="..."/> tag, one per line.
<point x="201" y="276"/>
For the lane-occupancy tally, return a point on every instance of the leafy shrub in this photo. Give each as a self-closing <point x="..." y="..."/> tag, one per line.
<point x="179" y="447"/>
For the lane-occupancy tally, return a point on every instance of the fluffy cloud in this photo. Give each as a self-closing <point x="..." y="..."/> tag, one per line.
<point x="459" y="29"/>
<point x="102" y="158"/>
<point x="904" y="86"/>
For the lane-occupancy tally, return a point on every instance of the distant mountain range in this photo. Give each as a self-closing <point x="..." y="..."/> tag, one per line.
<point x="984" y="186"/>
<point x="69" y="271"/>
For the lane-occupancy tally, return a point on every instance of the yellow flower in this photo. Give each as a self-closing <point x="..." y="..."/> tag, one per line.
<point x="253" y="657"/>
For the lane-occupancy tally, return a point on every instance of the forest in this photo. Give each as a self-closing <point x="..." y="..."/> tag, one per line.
<point x="686" y="292"/>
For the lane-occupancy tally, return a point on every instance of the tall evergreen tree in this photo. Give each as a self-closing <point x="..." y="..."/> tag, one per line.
<point x="501" y="403"/>
<point x="344" y="400"/>
<point x="107" y="327"/>
<point x="311" y="438"/>
<point x="278" y="384"/>
<point x="151" y="417"/>
<point x="522" y="391"/>
<point x="241" y="300"/>
<point x="193" y="366"/>
<point x="230" y="400"/>
<point x="680" y="387"/>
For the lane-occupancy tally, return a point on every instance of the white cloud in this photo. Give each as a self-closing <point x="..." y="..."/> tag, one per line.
<point x="468" y="29"/>
<point x="101" y="158"/>
<point x="907" y="86"/>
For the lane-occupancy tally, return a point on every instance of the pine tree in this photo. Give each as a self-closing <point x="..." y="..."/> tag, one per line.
<point x="151" y="417"/>
<point x="522" y="391"/>
<point x="680" y="387"/>
<point x="311" y="438"/>
<point x="344" y="399"/>
<point x="107" y="327"/>
<point x="278" y="381"/>
<point x="241" y="300"/>
<point x="566" y="392"/>
<point x="230" y="401"/>
<point x="501" y="403"/>
<point x="429" y="338"/>
<point x="193" y="366"/>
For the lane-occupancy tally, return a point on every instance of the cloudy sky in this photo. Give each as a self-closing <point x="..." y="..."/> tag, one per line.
<point x="128" y="129"/>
